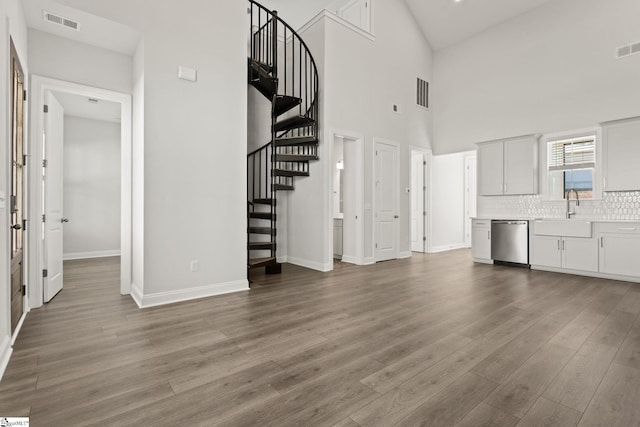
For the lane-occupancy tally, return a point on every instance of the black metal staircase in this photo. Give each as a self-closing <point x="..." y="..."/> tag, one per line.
<point x="282" y="69"/>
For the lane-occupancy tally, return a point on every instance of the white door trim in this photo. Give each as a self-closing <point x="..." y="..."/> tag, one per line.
<point x="39" y="86"/>
<point x="428" y="180"/>
<point x="377" y="141"/>
<point x="357" y="139"/>
<point x="470" y="195"/>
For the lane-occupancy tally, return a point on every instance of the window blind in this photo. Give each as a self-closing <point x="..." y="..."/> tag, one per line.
<point x="571" y="154"/>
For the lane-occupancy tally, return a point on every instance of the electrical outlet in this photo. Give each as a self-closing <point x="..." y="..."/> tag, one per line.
<point x="194" y="266"/>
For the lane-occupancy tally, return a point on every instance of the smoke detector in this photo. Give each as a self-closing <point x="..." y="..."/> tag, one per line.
<point x="60" y="20"/>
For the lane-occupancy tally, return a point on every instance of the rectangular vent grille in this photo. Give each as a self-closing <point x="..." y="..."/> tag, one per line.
<point x="630" y="49"/>
<point x="423" y="93"/>
<point x="59" y="20"/>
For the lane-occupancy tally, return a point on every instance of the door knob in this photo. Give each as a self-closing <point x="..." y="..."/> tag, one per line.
<point x="396" y="216"/>
<point x="64" y="220"/>
<point x="16" y="227"/>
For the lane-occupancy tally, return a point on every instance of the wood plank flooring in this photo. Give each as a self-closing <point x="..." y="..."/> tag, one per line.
<point x="434" y="340"/>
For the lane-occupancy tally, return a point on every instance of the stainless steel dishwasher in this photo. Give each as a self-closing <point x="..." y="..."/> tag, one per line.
<point x="510" y="241"/>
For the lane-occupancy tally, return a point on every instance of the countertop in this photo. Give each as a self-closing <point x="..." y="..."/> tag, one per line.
<point x="517" y="218"/>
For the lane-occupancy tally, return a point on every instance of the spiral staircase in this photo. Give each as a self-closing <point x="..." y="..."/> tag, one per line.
<point x="283" y="70"/>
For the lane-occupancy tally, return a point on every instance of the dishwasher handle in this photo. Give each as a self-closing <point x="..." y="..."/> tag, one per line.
<point x="509" y="222"/>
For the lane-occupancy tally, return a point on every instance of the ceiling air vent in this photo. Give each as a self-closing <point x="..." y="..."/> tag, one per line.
<point x="627" y="50"/>
<point x="59" y="20"/>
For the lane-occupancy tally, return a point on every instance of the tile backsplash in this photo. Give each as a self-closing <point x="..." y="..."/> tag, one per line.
<point x="623" y="206"/>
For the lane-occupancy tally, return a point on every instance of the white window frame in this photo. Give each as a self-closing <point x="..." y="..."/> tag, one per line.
<point x="544" y="167"/>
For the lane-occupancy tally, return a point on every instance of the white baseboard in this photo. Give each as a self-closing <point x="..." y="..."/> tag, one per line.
<point x="404" y="255"/>
<point x="351" y="259"/>
<point x="5" y="354"/>
<point x="445" y="248"/>
<point x="171" y="297"/>
<point x="368" y="261"/>
<point x="282" y="259"/>
<point x="93" y="254"/>
<point x="136" y="294"/>
<point x="318" y="266"/>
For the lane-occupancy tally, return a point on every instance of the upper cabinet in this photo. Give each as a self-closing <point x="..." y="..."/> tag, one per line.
<point x="508" y="167"/>
<point x="621" y="144"/>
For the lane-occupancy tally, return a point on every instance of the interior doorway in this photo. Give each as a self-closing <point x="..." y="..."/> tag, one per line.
<point x="49" y="125"/>
<point x="347" y="197"/>
<point x="18" y="191"/>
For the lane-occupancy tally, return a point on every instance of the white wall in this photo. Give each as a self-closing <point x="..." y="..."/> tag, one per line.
<point x="550" y="70"/>
<point x="194" y="144"/>
<point x="64" y="59"/>
<point x="360" y="80"/>
<point x="91" y="185"/>
<point x="137" y="176"/>
<point x="447" y="202"/>
<point x="12" y="24"/>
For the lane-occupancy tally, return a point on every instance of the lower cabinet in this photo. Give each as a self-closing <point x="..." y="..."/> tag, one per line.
<point x="481" y="240"/>
<point x="620" y="249"/>
<point x="574" y="253"/>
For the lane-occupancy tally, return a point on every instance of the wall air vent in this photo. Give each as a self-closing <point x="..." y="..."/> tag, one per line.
<point x="59" y="20"/>
<point x="630" y="49"/>
<point x="423" y="93"/>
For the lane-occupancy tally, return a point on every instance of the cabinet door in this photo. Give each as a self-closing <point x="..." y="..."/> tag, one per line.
<point x="521" y="166"/>
<point x="490" y="168"/>
<point x="620" y="254"/>
<point x="580" y="253"/>
<point x="622" y="156"/>
<point x="481" y="242"/>
<point x="547" y="251"/>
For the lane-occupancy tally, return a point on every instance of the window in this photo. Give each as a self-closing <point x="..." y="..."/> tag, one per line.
<point x="571" y="164"/>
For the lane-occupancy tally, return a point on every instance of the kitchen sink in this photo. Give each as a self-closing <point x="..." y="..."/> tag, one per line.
<point x="563" y="227"/>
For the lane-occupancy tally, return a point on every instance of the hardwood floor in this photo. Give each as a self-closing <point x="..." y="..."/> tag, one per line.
<point x="434" y="340"/>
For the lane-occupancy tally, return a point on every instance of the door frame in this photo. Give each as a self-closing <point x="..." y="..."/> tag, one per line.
<point x="14" y="56"/>
<point x="358" y="140"/>
<point x="40" y="85"/>
<point x="426" y="156"/>
<point x="374" y="199"/>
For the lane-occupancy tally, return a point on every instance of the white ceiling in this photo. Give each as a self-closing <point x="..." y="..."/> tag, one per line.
<point x="93" y="30"/>
<point x="445" y="22"/>
<point x="79" y="106"/>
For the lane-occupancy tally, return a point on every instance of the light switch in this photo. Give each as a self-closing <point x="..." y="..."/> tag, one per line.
<point x="186" y="73"/>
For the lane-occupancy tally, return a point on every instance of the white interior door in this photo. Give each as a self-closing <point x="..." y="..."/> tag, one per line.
<point x="53" y="224"/>
<point x="386" y="161"/>
<point x="417" y="202"/>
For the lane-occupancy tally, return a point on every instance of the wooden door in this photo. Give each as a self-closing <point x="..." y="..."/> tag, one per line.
<point x="17" y="190"/>
<point x="387" y="202"/>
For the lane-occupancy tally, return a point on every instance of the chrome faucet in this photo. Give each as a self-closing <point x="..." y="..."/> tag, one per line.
<point x="569" y="213"/>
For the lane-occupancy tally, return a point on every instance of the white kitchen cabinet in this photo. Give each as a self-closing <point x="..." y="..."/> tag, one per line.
<point x="546" y="251"/>
<point x="620" y="249"/>
<point x="580" y="253"/>
<point x="481" y="240"/>
<point x="490" y="168"/>
<point x="508" y="167"/>
<point x="572" y="253"/>
<point x="621" y="148"/>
